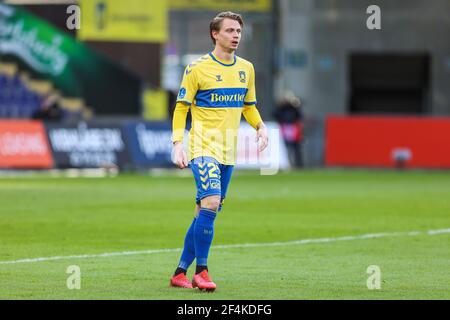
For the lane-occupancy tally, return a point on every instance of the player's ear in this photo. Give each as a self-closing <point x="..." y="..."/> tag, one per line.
<point x="215" y="34"/>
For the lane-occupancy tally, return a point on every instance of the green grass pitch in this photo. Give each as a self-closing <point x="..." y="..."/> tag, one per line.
<point x="48" y="217"/>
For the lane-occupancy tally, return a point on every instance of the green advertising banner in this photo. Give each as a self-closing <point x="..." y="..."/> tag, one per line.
<point x="74" y="68"/>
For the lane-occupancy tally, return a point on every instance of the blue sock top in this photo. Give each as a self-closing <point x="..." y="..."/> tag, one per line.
<point x="208" y="213"/>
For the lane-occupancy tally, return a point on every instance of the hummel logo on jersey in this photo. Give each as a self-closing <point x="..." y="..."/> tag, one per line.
<point x="219" y="78"/>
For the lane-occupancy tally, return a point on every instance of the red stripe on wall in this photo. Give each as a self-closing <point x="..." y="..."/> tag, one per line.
<point x="24" y="144"/>
<point x="375" y="141"/>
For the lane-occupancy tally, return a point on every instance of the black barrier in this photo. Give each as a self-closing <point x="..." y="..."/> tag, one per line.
<point x="149" y="143"/>
<point x="141" y="145"/>
<point x="88" y="145"/>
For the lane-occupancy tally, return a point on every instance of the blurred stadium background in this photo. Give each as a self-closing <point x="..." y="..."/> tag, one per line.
<point x="102" y="97"/>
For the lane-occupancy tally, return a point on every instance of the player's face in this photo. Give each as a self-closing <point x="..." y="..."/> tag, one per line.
<point x="229" y="35"/>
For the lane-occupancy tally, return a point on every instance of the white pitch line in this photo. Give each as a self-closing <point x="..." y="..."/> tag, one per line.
<point x="242" y="245"/>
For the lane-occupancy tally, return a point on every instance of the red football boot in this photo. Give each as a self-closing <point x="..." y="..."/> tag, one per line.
<point x="180" y="281"/>
<point x="203" y="281"/>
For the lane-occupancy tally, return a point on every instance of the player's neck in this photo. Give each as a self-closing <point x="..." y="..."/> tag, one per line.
<point x="223" y="54"/>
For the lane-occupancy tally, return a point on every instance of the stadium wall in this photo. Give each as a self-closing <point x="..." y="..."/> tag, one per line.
<point x="317" y="38"/>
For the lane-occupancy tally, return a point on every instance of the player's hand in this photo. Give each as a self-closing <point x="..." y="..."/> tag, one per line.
<point x="262" y="137"/>
<point x="179" y="155"/>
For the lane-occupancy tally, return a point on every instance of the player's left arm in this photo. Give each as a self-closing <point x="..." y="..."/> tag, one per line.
<point x="251" y="113"/>
<point x="253" y="117"/>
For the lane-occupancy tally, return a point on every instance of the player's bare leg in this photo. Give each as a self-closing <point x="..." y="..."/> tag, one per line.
<point x="197" y="210"/>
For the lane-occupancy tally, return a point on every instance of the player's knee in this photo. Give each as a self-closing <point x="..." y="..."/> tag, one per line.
<point x="211" y="203"/>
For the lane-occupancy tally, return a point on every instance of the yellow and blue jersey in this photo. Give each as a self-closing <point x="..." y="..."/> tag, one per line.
<point x="218" y="93"/>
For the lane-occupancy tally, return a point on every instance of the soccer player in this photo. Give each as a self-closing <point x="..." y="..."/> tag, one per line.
<point x="217" y="88"/>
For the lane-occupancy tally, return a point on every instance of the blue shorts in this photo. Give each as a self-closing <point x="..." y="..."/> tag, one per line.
<point x="211" y="178"/>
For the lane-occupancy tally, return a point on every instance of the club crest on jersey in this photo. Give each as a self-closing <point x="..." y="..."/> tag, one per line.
<point x="242" y="76"/>
<point x="219" y="78"/>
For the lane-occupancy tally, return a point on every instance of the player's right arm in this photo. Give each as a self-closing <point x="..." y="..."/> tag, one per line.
<point x="188" y="90"/>
<point x="178" y="127"/>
